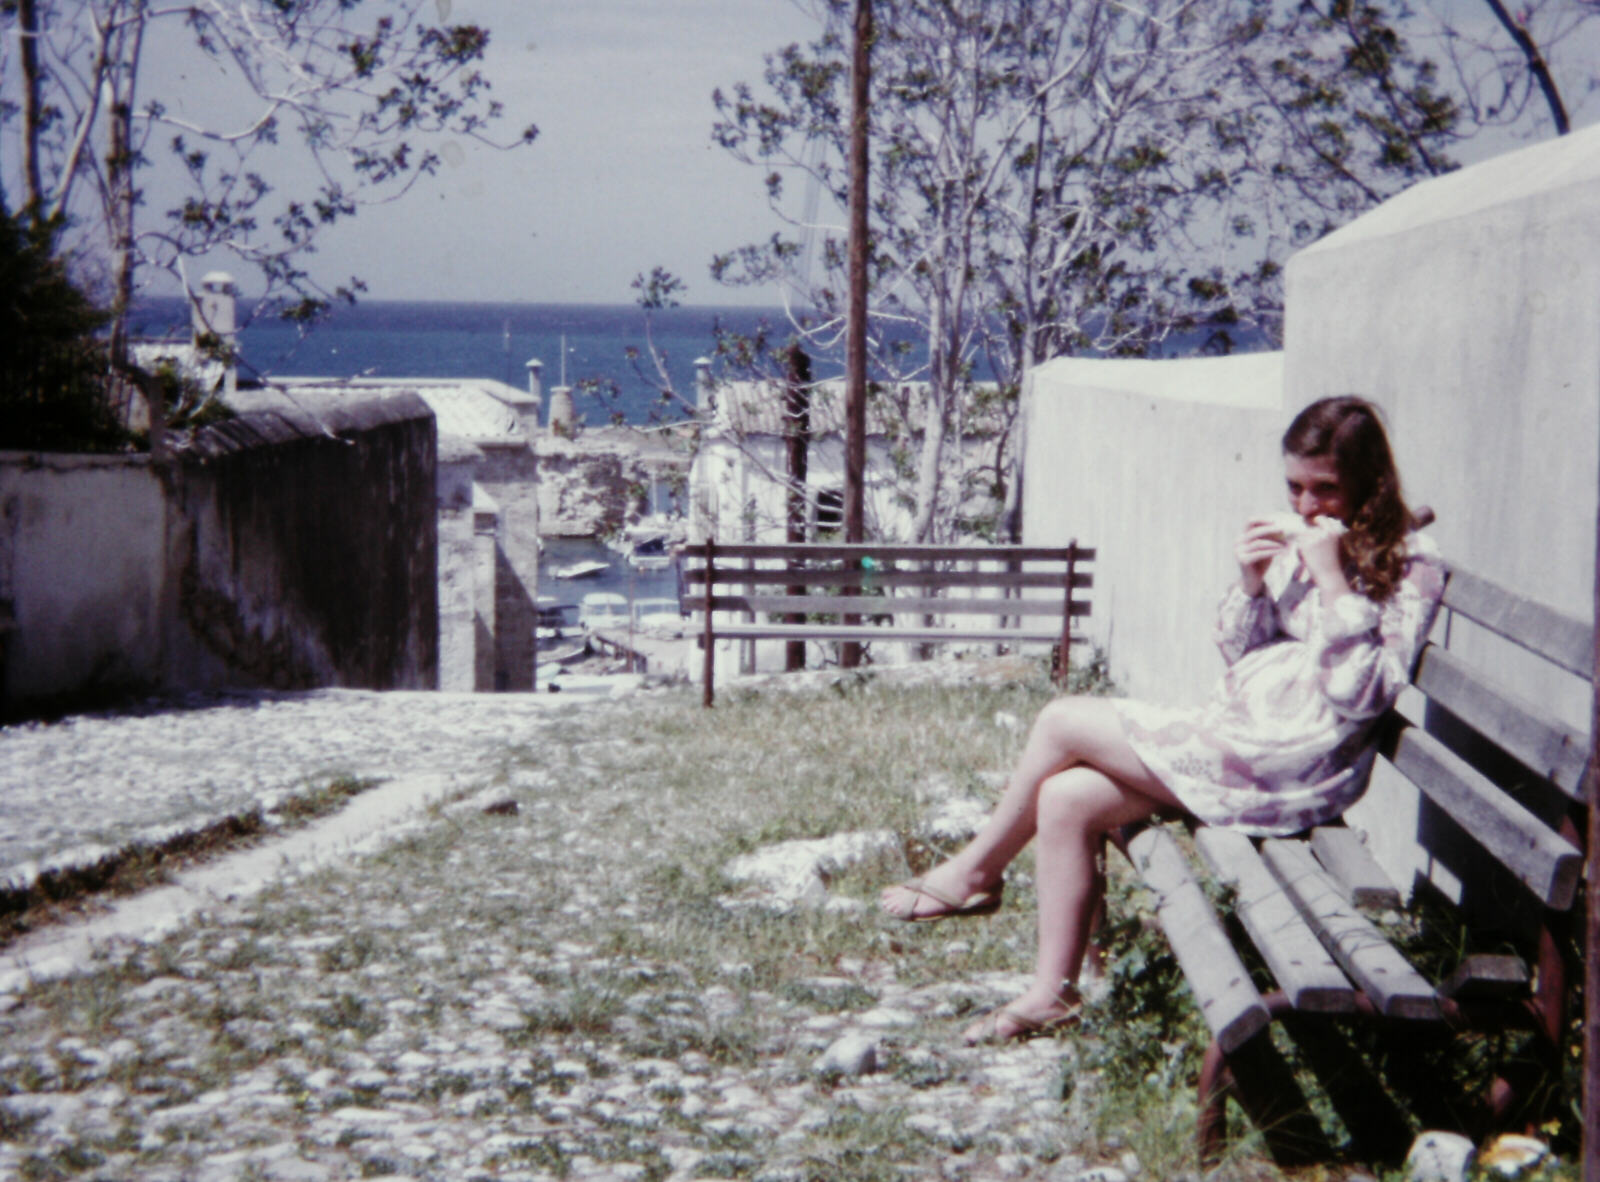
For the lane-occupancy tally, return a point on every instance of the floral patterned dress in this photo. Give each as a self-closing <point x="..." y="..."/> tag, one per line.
<point x="1285" y="741"/>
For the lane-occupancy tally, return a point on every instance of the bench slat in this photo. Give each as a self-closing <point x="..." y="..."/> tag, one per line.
<point x="1551" y="634"/>
<point x="870" y="632"/>
<point x="873" y="605"/>
<point x="1396" y="989"/>
<point x="1545" y="863"/>
<point x="1231" y="1006"/>
<point x="1485" y="976"/>
<point x="845" y="551"/>
<point x="1299" y="963"/>
<point x="1552" y="750"/>
<point x="1350" y="864"/>
<point x="777" y="576"/>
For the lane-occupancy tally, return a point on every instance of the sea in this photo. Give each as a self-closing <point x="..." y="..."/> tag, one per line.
<point x="576" y="343"/>
<point x="417" y="339"/>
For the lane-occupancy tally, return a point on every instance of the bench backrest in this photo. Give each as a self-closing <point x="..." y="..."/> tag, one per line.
<point x="1494" y="765"/>
<point x="860" y="593"/>
<point x="952" y="579"/>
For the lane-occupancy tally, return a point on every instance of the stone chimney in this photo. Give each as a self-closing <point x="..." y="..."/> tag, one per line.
<point x="215" y="314"/>
<point x="562" y="412"/>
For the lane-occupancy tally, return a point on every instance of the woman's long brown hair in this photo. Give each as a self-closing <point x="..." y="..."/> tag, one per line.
<point x="1349" y="430"/>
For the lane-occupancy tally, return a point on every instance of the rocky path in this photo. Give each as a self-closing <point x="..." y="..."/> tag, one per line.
<point x="533" y="990"/>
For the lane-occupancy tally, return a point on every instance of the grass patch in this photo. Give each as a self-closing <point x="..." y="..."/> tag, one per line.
<point x="546" y="977"/>
<point x="59" y="893"/>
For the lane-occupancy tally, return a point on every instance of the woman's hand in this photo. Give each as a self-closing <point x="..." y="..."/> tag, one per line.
<point x="1261" y="542"/>
<point x="1319" y="549"/>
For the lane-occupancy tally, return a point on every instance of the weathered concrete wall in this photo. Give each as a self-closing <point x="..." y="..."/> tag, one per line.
<point x="309" y="553"/>
<point x="82" y="589"/>
<point x="509" y="475"/>
<point x="488" y="672"/>
<point x="291" y="548"/>
<point x="1157" y="465"/>
<point x="457" y="621"/>
<point x="1469" y="307"/>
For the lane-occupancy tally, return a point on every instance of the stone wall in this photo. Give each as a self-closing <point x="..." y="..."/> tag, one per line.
<point x="1156" y="464"/>
<point x="287" y="549"/>
<point x="83" y="594"/>
<point x="310" y="553"/>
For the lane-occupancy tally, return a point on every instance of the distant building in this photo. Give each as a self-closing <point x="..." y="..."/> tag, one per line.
<point x="738" y="483"/>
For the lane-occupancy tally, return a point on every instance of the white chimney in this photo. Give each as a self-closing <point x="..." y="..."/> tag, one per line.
<point x="215" y="314"/>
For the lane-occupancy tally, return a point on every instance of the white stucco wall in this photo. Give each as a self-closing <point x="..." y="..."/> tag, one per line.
<point x="80" y="563"/>
<point x="1469" y="307"/>
<point x="1157" y="465"/>
<point x="457" y="567"/>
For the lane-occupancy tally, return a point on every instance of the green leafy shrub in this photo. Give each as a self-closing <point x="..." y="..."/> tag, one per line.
<point x="52" y="363"/>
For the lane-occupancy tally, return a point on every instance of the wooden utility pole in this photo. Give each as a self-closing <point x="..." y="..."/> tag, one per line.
<point x="797" y="431"/>
<point x="855" y="386"/>
<point x="1591" y="936"/>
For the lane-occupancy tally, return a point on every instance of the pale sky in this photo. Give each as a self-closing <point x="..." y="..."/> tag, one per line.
<point x="623" y="176"/>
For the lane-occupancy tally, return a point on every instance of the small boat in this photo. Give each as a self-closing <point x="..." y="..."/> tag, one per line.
<point x="661" y="616"/>
<point x="555" y="620"/>
<point x="579" y="570"/>
<point x="603" y="609"/>
<point x="650" y="553"/>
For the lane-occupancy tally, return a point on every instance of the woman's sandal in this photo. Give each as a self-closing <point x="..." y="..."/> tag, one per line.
<point x="987" y="1031"/>
<point x="977" y="903"/>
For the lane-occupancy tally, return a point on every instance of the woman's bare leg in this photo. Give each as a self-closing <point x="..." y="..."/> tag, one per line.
<point x="1068" y="732"/>
<point x="1076" y="808"/>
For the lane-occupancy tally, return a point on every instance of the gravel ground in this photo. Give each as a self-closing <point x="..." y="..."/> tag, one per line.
<point x="79" y="788"/>
<point x="511" y="992"/>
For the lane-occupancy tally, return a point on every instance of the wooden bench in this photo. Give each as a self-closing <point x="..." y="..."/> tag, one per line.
<point x="1500" y="783"/>
<point x="799" y="582"/>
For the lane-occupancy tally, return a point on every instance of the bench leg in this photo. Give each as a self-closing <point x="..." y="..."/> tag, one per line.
<point x="1211" y="1129"/>
<point x="1258" y="1077"/>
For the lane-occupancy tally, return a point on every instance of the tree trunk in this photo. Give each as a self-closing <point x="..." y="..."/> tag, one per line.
<point x="123" y="198"/>
<point x="28" y="28"/>
<point x="1536" y="66"/>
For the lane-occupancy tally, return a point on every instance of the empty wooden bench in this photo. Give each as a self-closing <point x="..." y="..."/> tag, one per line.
<point x="1501" y="785"/>
<point x="803" y="592"/>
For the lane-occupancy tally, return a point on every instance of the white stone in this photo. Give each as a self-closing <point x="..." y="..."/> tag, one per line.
<point x="1102" y="1174"/>
<point x="1440" y="1157"/>
<point x="794" y="873"/>
<point x="852" y="1055"/>
<point x="956" y="819"/>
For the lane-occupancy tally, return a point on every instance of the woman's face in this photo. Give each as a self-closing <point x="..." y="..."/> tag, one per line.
<point x="1314" y="487"/>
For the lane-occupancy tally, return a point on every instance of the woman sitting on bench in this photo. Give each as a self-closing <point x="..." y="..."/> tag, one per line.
<point x="1319" y="633"/>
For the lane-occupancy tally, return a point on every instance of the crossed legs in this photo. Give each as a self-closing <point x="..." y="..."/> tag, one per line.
<point x="1076" y="780"/>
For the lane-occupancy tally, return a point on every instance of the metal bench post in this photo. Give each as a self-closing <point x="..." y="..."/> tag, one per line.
<point x="707" y="693"/>
<point x="1066" y="616"/>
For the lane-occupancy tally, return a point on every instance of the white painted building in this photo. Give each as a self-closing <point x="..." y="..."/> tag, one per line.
<point x="738" y="483"/>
